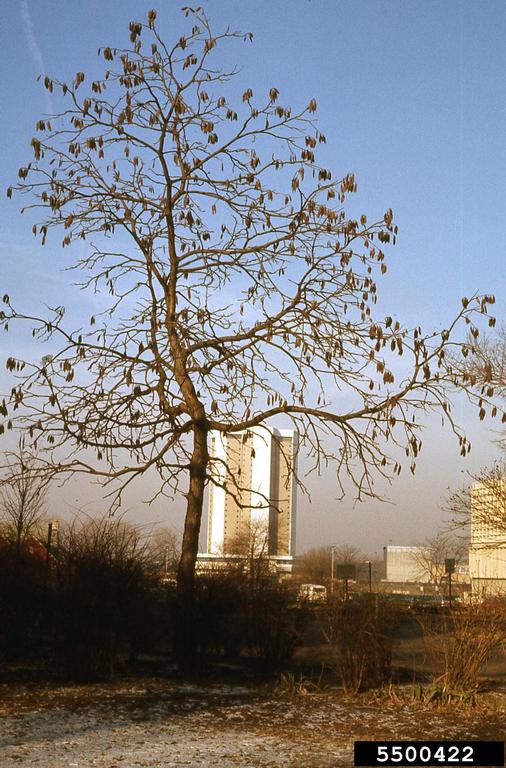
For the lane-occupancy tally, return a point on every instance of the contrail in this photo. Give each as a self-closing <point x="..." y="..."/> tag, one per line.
<point x="34" y="49"/>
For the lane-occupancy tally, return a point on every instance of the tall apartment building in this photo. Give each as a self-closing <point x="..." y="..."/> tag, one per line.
<point x="487" y="552"/>
<point x="253" y="491"/>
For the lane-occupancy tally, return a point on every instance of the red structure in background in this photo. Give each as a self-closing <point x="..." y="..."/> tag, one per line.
<point x="32" y="553"/>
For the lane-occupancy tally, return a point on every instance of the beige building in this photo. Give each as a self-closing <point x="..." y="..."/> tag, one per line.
<point x="404" y="564"/>
<point x="487" y="552"/>
<point x="252" y="496"/>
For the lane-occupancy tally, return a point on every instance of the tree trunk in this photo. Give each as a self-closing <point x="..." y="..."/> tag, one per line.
<point x="185" y="630"/>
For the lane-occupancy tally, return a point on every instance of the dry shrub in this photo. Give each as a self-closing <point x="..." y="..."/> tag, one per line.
<point x="220" y="627"/>
<point x="103" y="595"/>
<point x="24" y="599"/>
<point x="274" y="626"/>
<point x="459" y="643"/>
<point x="290" y="685"/>
<point x="359" y="635"/>
<point x="236" y="615"/>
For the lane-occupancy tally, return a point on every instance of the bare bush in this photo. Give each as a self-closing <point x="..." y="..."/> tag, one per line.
<point x="237" y="615"/>
<point x="274" y="626"/>
<point x="104" y="578"/>
<point x="218" y="614"/>
<point x="459" y="643"/>
<point x="359" y="635"/>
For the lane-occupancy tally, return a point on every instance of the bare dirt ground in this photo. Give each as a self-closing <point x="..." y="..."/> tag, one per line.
<point x="157" y="722"/>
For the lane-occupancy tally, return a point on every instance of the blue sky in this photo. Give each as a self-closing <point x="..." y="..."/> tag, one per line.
<point x="411" y="99"/>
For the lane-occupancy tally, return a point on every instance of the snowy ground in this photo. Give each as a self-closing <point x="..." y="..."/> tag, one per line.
<point x="158" y="723"/>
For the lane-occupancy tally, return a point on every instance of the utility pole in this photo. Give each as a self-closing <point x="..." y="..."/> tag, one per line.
<point x="450" y="568"/>
<point x="369" y="564"/>
<point x="53" y="532"/>
<point x="332" y="549"/>
<point x="48" y="547"/>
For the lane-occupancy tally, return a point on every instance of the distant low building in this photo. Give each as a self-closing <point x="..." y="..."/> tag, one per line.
<point x="281" y="565"/>
<point x="376" y="571"/>
<point x="404" y="564"/>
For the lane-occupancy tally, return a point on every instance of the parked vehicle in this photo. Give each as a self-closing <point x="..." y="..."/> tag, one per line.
<point x="312" y="593"/>
<point x="429" y="603"/>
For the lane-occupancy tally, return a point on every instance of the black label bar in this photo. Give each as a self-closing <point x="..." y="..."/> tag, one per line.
<point x="430" y="753"/>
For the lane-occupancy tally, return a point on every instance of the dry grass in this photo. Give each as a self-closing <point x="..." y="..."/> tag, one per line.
<point x="157" y="722"/>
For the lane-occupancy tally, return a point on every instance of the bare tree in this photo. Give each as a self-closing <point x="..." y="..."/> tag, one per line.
<point x="314" y="565"/>
<point x="484" y="360"/>
<point x="163" y="549"/>
<point x="252" y="547"/>
<point x="234" y="288"/>
<point x="347" y="554"/>
<point x="432" y="553"/>
<point x="480" y="504"/>
<point x="22" y="497"/>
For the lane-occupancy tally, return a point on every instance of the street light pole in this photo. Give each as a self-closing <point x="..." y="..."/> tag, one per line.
<point x="450" y="569"/>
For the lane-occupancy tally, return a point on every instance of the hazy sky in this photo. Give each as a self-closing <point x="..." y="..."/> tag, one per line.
<point x="411" y="99"/>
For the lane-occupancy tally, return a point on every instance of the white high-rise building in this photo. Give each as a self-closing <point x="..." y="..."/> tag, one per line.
<point x="252" y="490"/>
